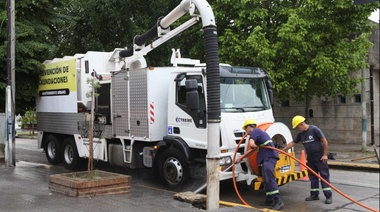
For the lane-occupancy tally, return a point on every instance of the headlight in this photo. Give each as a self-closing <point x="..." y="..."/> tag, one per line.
<point x="222" y="161"/>
<point x="228" y="160"/>
<point x="225" y="161"/>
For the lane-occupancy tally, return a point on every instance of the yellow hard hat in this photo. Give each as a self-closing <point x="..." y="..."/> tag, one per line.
<point x="248" y="122"/>
<point x="297" y="120"/>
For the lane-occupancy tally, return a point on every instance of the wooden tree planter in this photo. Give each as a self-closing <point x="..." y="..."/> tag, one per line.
<point x="78" y="185"/>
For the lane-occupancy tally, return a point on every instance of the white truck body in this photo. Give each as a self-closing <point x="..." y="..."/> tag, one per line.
<point x="153" y="117"/>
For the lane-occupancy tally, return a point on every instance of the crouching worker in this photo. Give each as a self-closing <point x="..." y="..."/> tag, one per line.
<point x="267" y="158"/>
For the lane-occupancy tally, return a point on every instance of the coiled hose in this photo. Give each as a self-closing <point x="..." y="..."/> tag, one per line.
<point x="300" y="162"/>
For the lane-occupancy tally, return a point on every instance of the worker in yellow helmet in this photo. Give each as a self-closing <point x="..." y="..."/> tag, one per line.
<point x="267" y="158"/>
<point x="316" y="147"/>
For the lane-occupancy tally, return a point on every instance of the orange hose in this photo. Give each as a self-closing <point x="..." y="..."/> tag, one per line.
<point x="233" y="171"/>
<point x="312" y="171"/>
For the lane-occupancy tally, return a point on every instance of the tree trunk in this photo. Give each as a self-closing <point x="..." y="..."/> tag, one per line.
<point x="90" y="135"/>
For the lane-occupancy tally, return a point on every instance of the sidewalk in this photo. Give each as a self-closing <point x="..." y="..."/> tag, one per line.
<point x="349" y="156"/>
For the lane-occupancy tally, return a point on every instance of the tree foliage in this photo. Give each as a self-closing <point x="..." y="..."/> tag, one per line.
<point x="29" y="120"/>
<point x="310" y="48"/>
<point x="34" y="21"/>
<point x="302" y="44"/>
<point x="103" y="25"/>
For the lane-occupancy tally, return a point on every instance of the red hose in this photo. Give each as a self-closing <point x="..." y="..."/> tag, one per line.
<point x="300" y="162"/>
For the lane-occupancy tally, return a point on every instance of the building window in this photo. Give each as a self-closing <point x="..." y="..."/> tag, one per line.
<point x="357" y="98"/>
<point x="342" y="99"/>
<point x="284" y="103"/>
<point x="311" y="113"/>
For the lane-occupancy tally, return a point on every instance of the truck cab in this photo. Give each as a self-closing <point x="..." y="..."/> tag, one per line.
<point x="245" y="92"/>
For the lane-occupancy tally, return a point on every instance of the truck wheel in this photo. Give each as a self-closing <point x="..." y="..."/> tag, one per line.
<point x="172" y="168"/>
<point x="53" y="150"/>
<point x="70" y="155"/>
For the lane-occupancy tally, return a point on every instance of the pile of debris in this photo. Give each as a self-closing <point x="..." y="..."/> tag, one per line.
<point x="196" y="200"/>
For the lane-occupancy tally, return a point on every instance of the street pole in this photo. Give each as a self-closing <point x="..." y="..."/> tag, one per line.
<point x="364" y="111"/>
<point x="378" y="65"/>
<point x="10" y="97"/>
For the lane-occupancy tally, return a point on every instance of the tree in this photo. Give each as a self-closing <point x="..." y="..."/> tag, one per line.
<point x="92" y="94"/>
<point x="29" y="120"/>
<point x="298" y="42"/>
<point x="103" y="25"/>
<point x="310" y="48"/>
<point x="35" y="21"/>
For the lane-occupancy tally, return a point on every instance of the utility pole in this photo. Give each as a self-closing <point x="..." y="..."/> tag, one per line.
<point x="10" y="97"/>
<point x="364" y="111"/>
<point x="378" y="62"/>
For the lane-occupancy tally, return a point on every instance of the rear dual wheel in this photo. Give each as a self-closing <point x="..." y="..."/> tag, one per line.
<point x="53" y="149"/>
<point x="70" y="156"/>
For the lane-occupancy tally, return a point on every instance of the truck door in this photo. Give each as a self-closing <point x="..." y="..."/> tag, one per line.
<point x="187" y="119"/>
<point x="190" y="97"/>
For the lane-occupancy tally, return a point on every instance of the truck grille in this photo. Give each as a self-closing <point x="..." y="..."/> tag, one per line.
<point x="239" y="134"/>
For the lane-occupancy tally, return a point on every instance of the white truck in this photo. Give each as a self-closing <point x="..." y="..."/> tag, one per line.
<point x="157" y="117"/>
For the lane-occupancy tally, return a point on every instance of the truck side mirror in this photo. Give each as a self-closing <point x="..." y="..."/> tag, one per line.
<point x="270" y="94"/>
<point x="192" y="95"/>
<point x="86" y="67"/>
<point x="270" y="90"/>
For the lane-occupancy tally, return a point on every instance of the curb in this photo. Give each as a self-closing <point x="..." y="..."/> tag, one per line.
<point x="354" y="165"/>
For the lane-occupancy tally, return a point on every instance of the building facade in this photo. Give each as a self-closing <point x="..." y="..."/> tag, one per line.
<point x="350" y="119"/>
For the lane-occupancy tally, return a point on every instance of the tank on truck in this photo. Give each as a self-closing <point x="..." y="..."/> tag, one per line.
<point x="162" y="31"/>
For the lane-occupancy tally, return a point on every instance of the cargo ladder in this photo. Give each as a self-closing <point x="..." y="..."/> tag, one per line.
<point x="127" y="149"/>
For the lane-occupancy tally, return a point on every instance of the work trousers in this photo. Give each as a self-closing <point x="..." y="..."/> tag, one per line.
<point x="323" y="170"/>
<point x="269" y="181"/>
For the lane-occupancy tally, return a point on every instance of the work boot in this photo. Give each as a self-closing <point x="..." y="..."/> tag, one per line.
<point x="312" y="198"/>
<point x="267" y="202"/>
<point x="328" y="200"/>
<point x="278" y="204"/>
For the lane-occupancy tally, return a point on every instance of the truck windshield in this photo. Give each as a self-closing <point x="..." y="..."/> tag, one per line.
<point x="243" y="94"/>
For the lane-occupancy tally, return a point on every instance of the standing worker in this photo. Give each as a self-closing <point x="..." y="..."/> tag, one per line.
<point x="316" y="147"/>
<point x="267" y="158"/>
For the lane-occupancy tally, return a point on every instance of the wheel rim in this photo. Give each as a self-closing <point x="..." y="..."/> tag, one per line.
<point x="51" y="150"/>
<point x="173" y="171"/>
<point x="69" y="154"/>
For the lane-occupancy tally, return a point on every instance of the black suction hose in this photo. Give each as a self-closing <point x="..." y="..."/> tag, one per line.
<point x="213" y="74"/>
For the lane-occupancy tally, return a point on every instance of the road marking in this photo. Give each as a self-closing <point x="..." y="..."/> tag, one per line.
<point x="29" y="164"/>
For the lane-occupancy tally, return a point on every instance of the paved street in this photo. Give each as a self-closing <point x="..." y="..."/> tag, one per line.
<point x="25" y="188"/>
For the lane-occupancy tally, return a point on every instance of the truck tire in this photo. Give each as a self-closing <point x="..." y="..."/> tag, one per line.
<point x="53" y="150"/>
<point x="172" y="168"/>
<point x="70" y="156"/>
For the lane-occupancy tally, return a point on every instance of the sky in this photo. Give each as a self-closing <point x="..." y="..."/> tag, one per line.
<point x="375" y="16"/>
